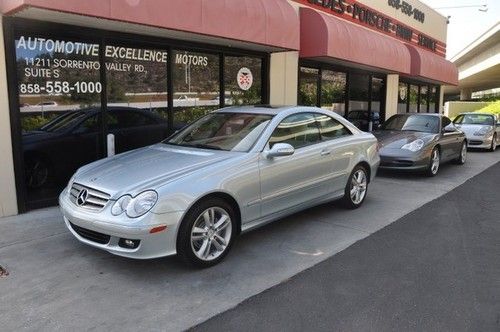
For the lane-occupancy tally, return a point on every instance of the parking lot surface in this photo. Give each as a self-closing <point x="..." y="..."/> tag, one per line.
<point x="56" y="283"/>
<point x="436" y="269"/>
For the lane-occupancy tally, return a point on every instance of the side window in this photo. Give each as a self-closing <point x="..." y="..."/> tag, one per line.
<point x="89" y="125"/>
<point x="131" y="119"/>
<point x="298" y="130"/>
<point x="331" y="128"/>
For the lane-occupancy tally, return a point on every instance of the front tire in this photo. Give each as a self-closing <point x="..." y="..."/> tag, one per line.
<point x="206" y="233"/>
<point x="493" y="143"/>
<point x="434" y="163"/>
<point x="462" y="157"/>
<point x="356" y="188"/>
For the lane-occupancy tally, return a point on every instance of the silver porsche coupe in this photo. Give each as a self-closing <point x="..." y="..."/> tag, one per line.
<point x="482" y="129"/>
<point x="420" y="142"/>
<point x="233" y="170"/>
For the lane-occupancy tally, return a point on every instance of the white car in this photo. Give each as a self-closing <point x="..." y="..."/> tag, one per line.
<point x="481" y="129"/>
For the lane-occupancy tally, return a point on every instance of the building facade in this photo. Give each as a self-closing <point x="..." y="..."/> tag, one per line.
<point x="82" y="80"/>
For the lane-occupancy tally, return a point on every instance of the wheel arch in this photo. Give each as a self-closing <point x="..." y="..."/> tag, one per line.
<point x="227" y="198"/>
<point x="367" y="166"/>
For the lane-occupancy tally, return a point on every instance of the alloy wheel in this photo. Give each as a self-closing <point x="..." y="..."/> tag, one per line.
<point x="359" y="183"/>
<point x="435" y="161"/>
<point x="463" y="154"/>
<point x="211" y="233"/>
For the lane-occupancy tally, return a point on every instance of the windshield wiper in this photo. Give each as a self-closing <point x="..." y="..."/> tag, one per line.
<point x="206" y="146"/>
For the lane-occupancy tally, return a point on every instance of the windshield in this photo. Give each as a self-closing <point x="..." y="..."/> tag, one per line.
<point x="475" y="119"/>
<point x="223" y="131"/>
<point x="415" y="122"/>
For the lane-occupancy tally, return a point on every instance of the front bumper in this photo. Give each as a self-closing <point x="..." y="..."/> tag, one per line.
<point x="400" y="159"/>
<point x="479" y="142"/>
<point x="106" y="225"/>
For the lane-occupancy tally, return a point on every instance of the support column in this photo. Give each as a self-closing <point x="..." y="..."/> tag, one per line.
<point x="391" y="97"/>
<point x="465" y="94"/>
<point x="8" y="199"/>
<point x="441" y="100"/>
<point x="284" y="78"/>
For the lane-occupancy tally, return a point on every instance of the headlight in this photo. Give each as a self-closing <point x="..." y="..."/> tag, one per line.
<point x="414" y="146"/>
<point x="135" y="206"/>
<point x="483" y="131"/>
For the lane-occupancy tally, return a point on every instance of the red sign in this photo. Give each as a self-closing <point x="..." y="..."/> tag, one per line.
<point x="358" y="13"/>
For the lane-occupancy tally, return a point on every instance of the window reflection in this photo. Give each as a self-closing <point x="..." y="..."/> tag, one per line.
<point x="308" y="86"/>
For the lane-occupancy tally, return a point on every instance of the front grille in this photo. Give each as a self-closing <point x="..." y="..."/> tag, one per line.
<point x="95" y="200"/>
<point x="91" y="235"/>
<point x="474" y="142"/>
<point x="397" y="163"/>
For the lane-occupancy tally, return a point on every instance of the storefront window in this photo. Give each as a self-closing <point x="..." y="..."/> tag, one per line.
<point x="196" y="86"/>
<point x="358" y="92"/>
<point x="413" y="99"/>
<point x="308" y="86"/>
<point x="402" y="98"/>
<point x="137" y="96"/>
<point x="423" y="99"/>
<point x="59" y="98"/>
<point x="243" y="80"/>
<point x="433" y="99"/>
<point x="333" y="90"/>
<point x="378" y="94"/>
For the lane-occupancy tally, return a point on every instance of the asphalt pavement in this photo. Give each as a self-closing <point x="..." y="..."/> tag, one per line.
<point x="56" y="283"/>
<point x="436" y="269"/>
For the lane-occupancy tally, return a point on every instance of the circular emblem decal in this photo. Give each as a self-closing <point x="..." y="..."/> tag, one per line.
<point x="244" y="78"/>
<point x="402" y="93"/>
<point x="82" y="197"/>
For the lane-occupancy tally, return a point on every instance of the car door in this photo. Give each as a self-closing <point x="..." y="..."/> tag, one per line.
<point x="292" y="180"/>
<point x="450" y="139"/>
<point x="338" y="142"/>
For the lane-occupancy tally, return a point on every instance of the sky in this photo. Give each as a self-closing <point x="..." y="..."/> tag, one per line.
<point x="466" y="24"/>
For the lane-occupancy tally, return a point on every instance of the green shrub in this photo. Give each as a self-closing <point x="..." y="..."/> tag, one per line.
<point x="493" y="108"/>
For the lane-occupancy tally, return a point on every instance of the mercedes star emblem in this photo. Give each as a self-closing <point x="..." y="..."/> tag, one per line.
<point x="82" y="197"/>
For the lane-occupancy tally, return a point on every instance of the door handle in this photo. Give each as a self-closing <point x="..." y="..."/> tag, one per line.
<point x="325" y="152"/>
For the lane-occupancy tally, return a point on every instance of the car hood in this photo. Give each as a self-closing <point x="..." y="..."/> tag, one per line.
<point x="396" y="139"/>
<point x="470" y="129"/>
<point x="147" y="168"/>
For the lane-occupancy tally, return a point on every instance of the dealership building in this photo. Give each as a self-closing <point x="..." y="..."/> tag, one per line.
<point x="82" y="80"/>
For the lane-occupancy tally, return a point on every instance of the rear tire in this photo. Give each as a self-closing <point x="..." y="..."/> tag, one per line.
<point x="356" y="188"/>
<point x="206" y="233"/>
<point x="434" y="163"/>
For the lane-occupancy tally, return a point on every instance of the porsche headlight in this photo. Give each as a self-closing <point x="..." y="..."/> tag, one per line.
<point x="135" y="206"/>
<point x="483" y="131"/>
<point x="414" y="146"/>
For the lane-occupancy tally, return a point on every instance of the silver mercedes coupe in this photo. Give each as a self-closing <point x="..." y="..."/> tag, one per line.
<point x="233" y="170"/>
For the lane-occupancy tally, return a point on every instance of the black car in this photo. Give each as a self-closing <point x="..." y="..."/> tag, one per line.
<point x="420" y="142"/>
<point x="362" y="118"/>
<point x="54" y="151"/>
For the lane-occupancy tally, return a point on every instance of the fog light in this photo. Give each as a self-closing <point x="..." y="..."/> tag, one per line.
<point x="128" y="243"/>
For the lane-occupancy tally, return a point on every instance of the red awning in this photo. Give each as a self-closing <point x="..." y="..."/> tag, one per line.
<point x="271" y="23"/>
<point x="431" y="66"/>
<point x="322" y="35"/>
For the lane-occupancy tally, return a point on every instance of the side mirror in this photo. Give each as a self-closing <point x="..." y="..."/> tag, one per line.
<point x="449" y="129"/>
<point x="280" y="150"/>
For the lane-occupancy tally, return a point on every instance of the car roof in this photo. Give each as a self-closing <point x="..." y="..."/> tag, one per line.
<point x="257" y="109"/>
<point x="475" y="113"/>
